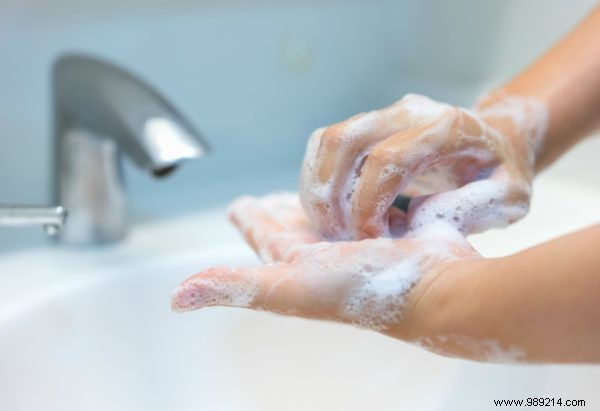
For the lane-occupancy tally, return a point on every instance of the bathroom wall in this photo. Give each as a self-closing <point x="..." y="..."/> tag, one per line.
<point x="455" y="50"/>
<point x="257" y="76"/>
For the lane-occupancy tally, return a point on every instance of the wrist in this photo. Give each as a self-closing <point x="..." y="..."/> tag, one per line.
<point x="458" y="319"/>
<point x="438" y="302"/>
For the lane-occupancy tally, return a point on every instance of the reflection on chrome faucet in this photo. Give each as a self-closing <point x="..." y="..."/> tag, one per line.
<point x="101" y="111"/>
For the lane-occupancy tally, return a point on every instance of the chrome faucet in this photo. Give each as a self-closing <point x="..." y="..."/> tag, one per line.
<point x="51" y="218"/>
<point x="100" y="112"/>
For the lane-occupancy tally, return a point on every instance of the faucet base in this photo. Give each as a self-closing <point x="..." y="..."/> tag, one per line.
<point x="90" y="186"/>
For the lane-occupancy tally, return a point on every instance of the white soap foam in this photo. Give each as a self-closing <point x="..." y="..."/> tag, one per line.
<point x="487" y="146"/>
<point x="472" y="208"/>
<point x="422" y="107"/>
<point x="294" y="232"/>
<point x="437" y="224"/>
<point x="233" y="287"/>
<point x="316" y="194"/>
<point x="529" y="115"/>
<point x="321" y="200"/>
<point x="374" y="274"/>
<point x="378" y="301"/>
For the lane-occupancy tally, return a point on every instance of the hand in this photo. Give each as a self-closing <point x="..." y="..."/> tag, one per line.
<point x="472" y="169"/>
<point x="380" y="284"/>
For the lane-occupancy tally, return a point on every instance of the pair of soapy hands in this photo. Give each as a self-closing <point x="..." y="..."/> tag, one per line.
<point x="340" y="251"/>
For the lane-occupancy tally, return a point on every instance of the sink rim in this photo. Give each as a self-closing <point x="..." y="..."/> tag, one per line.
<point x="99" y="275"/>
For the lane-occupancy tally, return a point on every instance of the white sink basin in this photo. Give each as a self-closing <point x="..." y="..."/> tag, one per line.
<point x="107" y="340"/>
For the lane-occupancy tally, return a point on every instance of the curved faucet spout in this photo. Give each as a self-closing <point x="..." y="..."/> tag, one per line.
<point x="100" y="112"/>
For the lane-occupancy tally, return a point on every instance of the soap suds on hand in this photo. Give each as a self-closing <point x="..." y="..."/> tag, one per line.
<point x="368" y="278"/>
<point x="217" y="286"/>
<point x="367" y="282"/>
<point x="476" y="152"/>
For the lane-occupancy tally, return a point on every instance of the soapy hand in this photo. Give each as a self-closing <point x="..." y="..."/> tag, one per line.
<point x="468" y="171"/>
<point x="472" y="169"/>
<point x="414" y="276"/>
<point x="373" y="283"/>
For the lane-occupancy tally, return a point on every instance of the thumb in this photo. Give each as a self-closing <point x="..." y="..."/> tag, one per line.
<point x="236" y="287"/>
<point x="273" y="287"/>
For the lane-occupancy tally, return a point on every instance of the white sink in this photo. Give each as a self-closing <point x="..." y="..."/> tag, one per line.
<point x="107" y="340"/>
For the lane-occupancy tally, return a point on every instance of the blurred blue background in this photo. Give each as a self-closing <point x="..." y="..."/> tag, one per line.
<point x="256" y="77"/>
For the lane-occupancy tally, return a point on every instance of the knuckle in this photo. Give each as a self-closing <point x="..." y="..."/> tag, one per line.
<point x="427" y="108"/>
<point x="340" y="133"/>
<point x="456" y="116"/>
<point x="470" y="124"/>
<point x="381" y="156"/>
<point x="315" y="138"/>
<point x="413" y="97"/>
<point x="333" y="136"/>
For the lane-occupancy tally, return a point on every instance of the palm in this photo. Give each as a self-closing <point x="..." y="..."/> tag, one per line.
<point x="371" y="283"/>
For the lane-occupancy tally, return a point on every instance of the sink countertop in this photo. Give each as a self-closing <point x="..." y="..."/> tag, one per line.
<point x="27" y="274"/>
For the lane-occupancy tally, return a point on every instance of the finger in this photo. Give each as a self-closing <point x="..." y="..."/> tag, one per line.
<point x="274" y="226"/>
<point x="386" y="172"/>
<point x="455" y="143"/>
<point x="475" y="207"/>
<point x="274" y="288"/>
<point x="335" y="154"/>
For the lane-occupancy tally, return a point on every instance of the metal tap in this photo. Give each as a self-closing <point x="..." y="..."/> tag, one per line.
<point x="102" y="112"/>
<point x="50" y="218"/>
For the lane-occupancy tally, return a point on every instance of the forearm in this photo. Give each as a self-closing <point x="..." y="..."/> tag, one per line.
<point x="566" y="80"/>
<point x="540" y="305"/>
